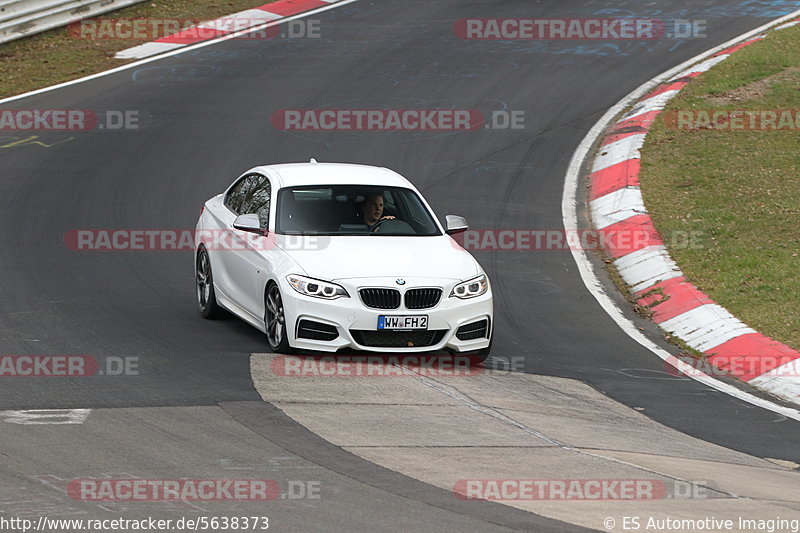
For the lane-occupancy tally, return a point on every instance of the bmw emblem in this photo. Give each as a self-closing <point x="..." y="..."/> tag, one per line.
<point x="400" y="281"/>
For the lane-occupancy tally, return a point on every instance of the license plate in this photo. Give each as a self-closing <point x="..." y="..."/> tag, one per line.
<point x="403" y="322"/>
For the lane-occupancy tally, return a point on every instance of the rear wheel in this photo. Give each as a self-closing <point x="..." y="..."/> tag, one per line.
<point x="206" y="299"/>
<point x="275" y="321"/>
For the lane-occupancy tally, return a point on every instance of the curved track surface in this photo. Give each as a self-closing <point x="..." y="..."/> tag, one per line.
<point x="207" y="119"/>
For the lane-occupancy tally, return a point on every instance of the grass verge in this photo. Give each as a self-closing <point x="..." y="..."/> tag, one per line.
<point x="56" y="56"/>
<point x="740" y="189"/>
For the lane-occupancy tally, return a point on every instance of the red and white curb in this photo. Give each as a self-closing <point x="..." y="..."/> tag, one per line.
<point x="656" y="281"/>
<point x="213" y="29"/>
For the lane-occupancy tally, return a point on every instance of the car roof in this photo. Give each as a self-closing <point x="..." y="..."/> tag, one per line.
<point x="299" y="174"/>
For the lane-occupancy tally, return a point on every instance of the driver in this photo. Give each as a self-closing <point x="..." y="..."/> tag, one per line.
<point x="372" y="210"/>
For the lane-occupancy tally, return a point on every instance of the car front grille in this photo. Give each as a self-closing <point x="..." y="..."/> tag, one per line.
<point x="422" y="298"/>
<point x="380" y="298"/>
<point x="474" y="330"/>
<point x="309" y="329"/>
<point x="397" y="339"/>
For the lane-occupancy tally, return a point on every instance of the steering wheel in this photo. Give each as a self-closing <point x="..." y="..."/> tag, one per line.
<point x="394" y="226"/>
<point x="375" y="227"/>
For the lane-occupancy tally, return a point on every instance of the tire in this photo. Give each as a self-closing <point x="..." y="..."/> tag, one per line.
<point x="275" y="320"/>
<point x="476" y="357"/>
<point x="480" y="356"/>
<point x="204" y="281"/>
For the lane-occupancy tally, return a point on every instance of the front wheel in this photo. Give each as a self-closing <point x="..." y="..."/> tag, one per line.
<point x="275" y="321"/>
<point x="476" y="357"/>
<point x="480" y="356"/>
<point x="206" y="299"/>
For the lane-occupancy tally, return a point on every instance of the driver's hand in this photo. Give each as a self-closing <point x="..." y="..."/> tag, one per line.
<point x="388" y="217"/>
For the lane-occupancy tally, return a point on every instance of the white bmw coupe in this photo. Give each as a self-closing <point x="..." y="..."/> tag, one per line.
<point x="328" y="256"/>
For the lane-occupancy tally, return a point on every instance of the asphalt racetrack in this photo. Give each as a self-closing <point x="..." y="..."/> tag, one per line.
<point x="206" y="117"/>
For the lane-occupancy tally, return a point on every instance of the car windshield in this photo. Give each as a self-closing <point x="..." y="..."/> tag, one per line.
<point x="353" y="210"/>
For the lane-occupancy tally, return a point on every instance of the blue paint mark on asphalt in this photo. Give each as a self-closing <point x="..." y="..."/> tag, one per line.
<point x="745" y="8"/>
<point x="424" y="69"/>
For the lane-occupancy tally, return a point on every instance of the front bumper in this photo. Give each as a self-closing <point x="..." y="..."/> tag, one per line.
<point x="357" y="325"/>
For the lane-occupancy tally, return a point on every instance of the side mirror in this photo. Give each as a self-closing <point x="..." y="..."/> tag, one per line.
<point x="455" y="224"/>
<point x="249" y="223"/>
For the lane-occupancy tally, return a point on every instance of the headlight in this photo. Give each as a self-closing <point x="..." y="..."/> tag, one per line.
<point x="316" y="288"/>
<point x="472" y="288"/>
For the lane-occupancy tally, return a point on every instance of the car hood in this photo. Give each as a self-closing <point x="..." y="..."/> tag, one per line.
<point x="344" y="257"/>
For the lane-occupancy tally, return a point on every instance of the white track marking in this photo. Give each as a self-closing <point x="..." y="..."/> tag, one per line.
<point x="654" y="103"/>
<point x="617" y="206"/>
<point x="569" y="212"/>
<point x="619" y="151"/>
<point x="644" y="268"/>
<point x="147" y="50"/>
<point x="41" y="417"/>
<point x="702" y="67"/>
<point x="788" y="25"/>
<point x="718" y="326"/>
<point x="784" y="380"/>
<point x="247" y="14"/>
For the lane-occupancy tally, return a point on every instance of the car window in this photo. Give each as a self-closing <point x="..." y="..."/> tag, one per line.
<point x="389" y="205"/>
<point x="237" y="194"/>
<point x="414" y="210"/>
<point x="257" y="200"/>
<point x="338" y="210"/>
